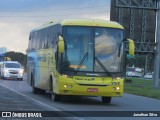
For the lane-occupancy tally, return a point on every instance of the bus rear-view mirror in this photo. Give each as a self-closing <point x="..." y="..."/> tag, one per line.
<point x="61" y="45"/>
<point x="131" y="47"/>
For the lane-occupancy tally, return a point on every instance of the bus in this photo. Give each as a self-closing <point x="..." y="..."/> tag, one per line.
<point x="80" y="57"/>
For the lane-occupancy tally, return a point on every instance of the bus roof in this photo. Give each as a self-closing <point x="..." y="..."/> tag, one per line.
<point x="91" y="22"/>
<point x="82" y="22"/>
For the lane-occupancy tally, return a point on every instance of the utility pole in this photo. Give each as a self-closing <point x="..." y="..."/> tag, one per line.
<point x="157" y="55"/>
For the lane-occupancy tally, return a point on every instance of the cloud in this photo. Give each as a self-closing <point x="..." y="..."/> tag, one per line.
<point x="19" y="17"/>
<point x="15" y="36"/>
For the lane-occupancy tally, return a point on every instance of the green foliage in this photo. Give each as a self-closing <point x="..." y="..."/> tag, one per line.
<point x="17" y="56"/>
<point x="141" y="87"/>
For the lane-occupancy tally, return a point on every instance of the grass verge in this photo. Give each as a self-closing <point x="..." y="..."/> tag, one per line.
<point x="141" y="87"/>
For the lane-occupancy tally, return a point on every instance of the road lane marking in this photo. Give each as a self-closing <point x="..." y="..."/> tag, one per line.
<point x="39" y="102"/>
<point x="55" y="109"/>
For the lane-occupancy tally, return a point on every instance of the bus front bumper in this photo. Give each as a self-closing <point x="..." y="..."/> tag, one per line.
<point x="72" y="88"/>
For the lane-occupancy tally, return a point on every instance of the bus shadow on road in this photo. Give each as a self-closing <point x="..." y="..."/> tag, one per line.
<point x="84" y="100"/>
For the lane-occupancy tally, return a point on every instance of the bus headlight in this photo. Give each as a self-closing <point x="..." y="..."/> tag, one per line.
<point x="116" y="88"/>
<point x="65" y="86"/>
<point x="70" y="86"/>
<point x="118" y="78"/>
<point x="65" y="75"/>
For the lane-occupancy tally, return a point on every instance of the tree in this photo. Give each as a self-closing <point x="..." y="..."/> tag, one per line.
<point x="17" y="56"/>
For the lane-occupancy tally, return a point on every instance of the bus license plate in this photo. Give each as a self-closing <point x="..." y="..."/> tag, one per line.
<point x="92" y="90"/>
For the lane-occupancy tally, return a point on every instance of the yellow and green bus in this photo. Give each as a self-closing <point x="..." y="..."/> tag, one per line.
<point x="83" y="57"/>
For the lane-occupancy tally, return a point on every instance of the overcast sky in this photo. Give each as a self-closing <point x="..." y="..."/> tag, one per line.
<point x="19" y="17"/>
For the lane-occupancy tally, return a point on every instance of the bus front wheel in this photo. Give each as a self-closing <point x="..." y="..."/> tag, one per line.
<point x="56" y="97"/>
<point x="106" y="100"/>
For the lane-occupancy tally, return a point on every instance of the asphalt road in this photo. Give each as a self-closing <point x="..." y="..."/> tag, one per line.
<point x="126" y="103"/>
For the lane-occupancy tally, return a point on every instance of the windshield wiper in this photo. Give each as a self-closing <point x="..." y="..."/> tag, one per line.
<point x="80" y="64"/>
<point x="103" y="67"/>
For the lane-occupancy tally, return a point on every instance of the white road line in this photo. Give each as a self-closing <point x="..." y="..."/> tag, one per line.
<point x="53" y="108"/>
<point x="41" y="103"/>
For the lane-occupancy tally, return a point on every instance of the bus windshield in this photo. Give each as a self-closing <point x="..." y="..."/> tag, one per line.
<point x="93" y="43"/>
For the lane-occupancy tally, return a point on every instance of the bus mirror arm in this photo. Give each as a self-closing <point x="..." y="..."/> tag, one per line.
<point x="119" y="49"/>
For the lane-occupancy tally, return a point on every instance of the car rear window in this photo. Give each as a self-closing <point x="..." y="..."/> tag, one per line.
<point x="12" y="65"/>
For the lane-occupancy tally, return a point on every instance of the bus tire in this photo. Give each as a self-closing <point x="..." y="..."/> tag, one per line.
<point x="42" y="91"/>
<point x="3" y="78"/>
<point x="56" y="97"/>
<point x="106" y="100"/>
<point x="34" y="89"/>
<point x="51" y="85"/>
